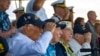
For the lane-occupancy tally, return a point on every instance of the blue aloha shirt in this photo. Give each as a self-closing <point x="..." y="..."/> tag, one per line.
<point x="4" y="21"/>
<point x="50" y="51"/>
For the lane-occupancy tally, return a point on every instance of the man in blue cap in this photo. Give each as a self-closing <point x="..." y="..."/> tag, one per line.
<point x="51" y="50"/>
<point x="31" y="39"/>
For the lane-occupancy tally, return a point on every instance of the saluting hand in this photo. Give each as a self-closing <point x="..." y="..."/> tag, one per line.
<point x="50" y="27"/>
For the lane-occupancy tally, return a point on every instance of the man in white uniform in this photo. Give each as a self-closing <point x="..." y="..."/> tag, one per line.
<point x="29" y="41"/>
<point x="18" y="12"/>
<point x="81" y="39"/>
<point x="61" y="12"/>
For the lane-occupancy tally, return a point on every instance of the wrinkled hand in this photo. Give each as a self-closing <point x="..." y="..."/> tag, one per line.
<point x="50" y="27"/>
<point x="8" y="33"/>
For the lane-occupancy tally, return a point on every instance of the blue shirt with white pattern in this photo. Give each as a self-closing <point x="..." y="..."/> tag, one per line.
<point x="4" y="21"/>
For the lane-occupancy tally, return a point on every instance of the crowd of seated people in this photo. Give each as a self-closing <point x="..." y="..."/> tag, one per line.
<point x="33" y="34"/>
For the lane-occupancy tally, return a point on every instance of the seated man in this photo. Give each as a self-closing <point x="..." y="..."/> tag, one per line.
<point x="56" y="36"/>
<point x="62" y="46"/>
<point x="29" y="39"/>
<point x="81" y="39"/>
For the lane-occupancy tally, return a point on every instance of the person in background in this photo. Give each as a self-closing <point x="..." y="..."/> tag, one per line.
<point x="97" y="28"/>
<point x="79" y="21"/>
<point x="6" y="30"/>
<point x="36" y="7"/>
<point x="71" y="15"/>
<point x="90" y="26"/>
<point x="18" y="12"/>
<point x="61" y="12"/>
<point x="30" y="39"/>
<point x="81" y="40"/>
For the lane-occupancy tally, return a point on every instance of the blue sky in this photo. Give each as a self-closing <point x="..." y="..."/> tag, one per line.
<point x="81" y="7"/>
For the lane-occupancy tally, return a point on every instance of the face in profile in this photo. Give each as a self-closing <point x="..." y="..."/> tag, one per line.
<point x="82" y="22"/>
<point x="66" y="35"/>
<point x="63" y="12"/>
<point x="80" y="38"/>
<point x="56" y="35"/>
<point x="92" y="15"/>
<point x="32" y="31"/>
<point x="18" y="14"/>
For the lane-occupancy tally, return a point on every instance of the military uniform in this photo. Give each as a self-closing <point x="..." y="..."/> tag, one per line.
<point x="4" y="21"/>
<point x="20" y="9"/>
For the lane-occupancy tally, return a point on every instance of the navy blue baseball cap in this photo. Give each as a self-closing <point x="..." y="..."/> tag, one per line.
<point x="3" y="46"/>
<point x="61" y="25"/>
<point x="79" y="29"/>
<point x="29" y="18"/>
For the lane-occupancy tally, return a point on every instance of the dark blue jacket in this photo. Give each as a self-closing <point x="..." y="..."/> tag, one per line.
<point x="3" y="44"/>
<point x="60" y="50"/>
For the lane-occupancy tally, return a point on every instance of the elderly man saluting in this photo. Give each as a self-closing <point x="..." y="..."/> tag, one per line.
<point x="29" y="40"/>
